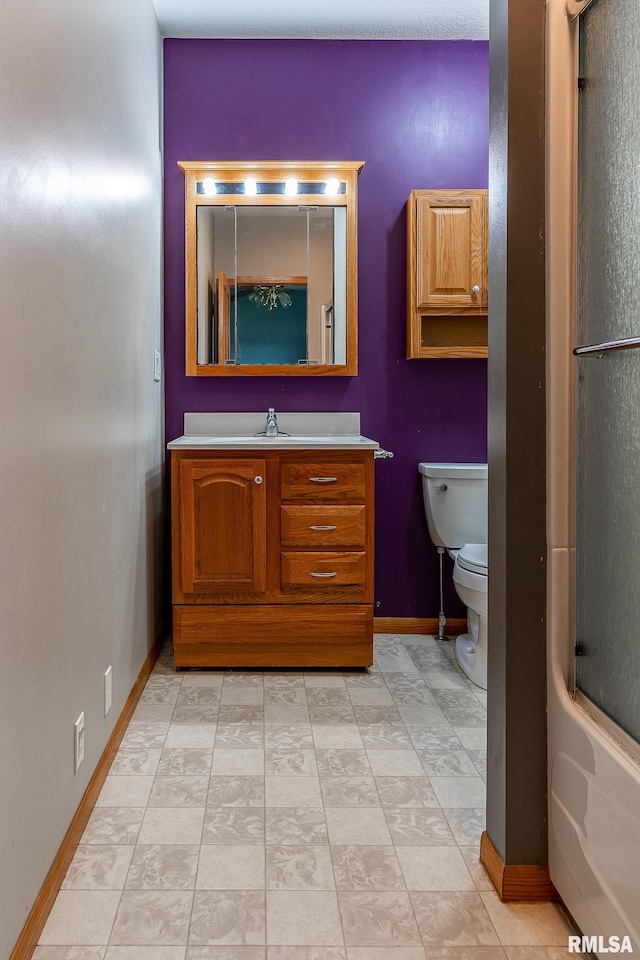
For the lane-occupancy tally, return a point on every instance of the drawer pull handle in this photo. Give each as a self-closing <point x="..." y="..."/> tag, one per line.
<point x="323" y="479"/>
<point x="334" y="574"/>
<point x="323" y="526"/>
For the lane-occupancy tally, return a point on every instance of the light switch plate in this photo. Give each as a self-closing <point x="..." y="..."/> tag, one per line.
<point x="157" y="365"/>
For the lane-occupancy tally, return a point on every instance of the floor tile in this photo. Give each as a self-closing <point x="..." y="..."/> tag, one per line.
<point x="466" y="824"/>
<point x="386" y="953"/>
<point x="327" y="696"/>
<point x="449" y="920"/>
<point x="366" y="868"/>
<point x="240" y="735"/>
<point x="242" y="695"/>
<point x="302" y="916"/>
<point x="69" y="953"/>
<point x="342" y="763"/>
<point x="187" y="735"/>
<point x="179" y="792"/>
<point x="354" y="826"/>
<point x="349" y="792"/>
<point x="526" y="924"/>
<point x="292" y="792"/>
<point x="479" y="875"/>
<point x="281" y="736"/>
<point x="234" y="917"/>
<point x="226" y="953"/>
<point x="96" y="867"/>
<point x="172" y="825"/>
<point x="370" y="696"/>
<point x="459" y="791"/>
<point x="434" y="868"/>
<point x="290" y="763"/>
<point x="472" y="738"/>
<point x="81" y="917"/>
<point x="395" y="763"/>
<point x="135" y="761"/>
<point x="455" y="763"/>
<point x="342" y="737"/>
<point x="211" y="678"/>
<point x="418" y="826"/>
<point x="153" y="713"/>
<point x="163" y="867"/>
<point x="286" y="713"/>
<point x="306" y="953"/>
<point x="231" y="867"/>
<point x="145" y="953"/>
<point x="113" y="825"/>
<point x="324" y="679"/>
<point x="144" y="735"/>
<point x="367" y="715"/>
<point x="185" y="762"/>
<point x="237" y="762"/>
<point x="233" y="825"/>
<point x="381" y="737"/>
<point x="377" y="919"/>
<point x="246" y="713"/>
<point x="125" y="792"/>
<point x="406" y="792"/>
<point x="291" y="867"/>
<point x="193" y="713"/>
<point x="539" y="953"/>
<point x="225" y="791"/>
<point x="466" y="953"/>
<point x="296" y="825"/>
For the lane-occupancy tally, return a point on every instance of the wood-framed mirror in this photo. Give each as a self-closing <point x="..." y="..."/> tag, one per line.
<point x="271" y="254"/>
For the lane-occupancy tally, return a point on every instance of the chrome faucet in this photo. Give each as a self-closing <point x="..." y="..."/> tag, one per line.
<point x="271" y="428"/>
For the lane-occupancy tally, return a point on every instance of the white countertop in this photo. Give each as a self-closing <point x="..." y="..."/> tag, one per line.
<point x="236" y="431"/>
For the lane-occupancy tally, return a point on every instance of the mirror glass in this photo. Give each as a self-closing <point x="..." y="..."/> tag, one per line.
<point x="271" y="284"/>
<point x="271" y="268"/>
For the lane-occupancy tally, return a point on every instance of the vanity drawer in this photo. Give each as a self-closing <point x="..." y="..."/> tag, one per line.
<point x="323" y="480"/>
<point x="323" y="569"/>
<point x="322" y="526"/>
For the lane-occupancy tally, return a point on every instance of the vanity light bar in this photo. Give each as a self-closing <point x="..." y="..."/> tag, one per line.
<point x="250" y="188"/>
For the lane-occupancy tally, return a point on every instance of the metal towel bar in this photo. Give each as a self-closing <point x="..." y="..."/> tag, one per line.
<point x="597" y="349"/>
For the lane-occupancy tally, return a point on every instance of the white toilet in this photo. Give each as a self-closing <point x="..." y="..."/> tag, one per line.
<point x="455" y="501"/>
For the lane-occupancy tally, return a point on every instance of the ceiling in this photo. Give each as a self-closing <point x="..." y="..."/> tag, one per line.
<point x="326" y="19"/>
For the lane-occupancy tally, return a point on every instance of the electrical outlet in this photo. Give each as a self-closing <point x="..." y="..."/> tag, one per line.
<point x="78" y="741"/>
<point x="157" y="365"/>
<point x="108" y="689"/>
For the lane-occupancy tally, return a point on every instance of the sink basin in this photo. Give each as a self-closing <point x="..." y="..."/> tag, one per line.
<point x="275" y="443"/>
<point x="207" y="431"/>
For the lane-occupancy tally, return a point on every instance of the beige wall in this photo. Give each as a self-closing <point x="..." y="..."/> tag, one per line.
<point x="80" y="415"/>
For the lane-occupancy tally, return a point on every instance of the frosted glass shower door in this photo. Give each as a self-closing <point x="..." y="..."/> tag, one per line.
<point x="607" y="663"/>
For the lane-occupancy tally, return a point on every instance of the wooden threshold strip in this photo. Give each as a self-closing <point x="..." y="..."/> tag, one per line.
<point x="516" y="883"/>
<point x="28" y="939"/>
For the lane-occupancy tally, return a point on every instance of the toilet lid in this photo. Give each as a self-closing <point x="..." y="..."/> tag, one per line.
<point x="473" y="557"/>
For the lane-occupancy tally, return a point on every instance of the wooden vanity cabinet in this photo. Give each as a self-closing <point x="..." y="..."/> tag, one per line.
<point x="272" y="558"/>
<point x="447" y="242"/>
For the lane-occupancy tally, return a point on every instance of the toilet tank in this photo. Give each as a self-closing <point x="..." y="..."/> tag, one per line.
<point x="455" y="502"/>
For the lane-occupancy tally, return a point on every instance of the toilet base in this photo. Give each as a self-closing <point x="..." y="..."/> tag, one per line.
<point x="471" y="650"/>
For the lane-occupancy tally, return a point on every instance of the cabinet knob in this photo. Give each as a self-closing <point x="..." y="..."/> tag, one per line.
<point x="257" y="480"/>
<point x="475" y="289"/>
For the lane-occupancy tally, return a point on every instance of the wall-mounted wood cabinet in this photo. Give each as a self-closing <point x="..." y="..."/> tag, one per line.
<point x="272" y="558"/>
<point x="447" y="273"/>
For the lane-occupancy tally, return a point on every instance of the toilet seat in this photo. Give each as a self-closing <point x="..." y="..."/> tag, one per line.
<point x="474" y="558"/>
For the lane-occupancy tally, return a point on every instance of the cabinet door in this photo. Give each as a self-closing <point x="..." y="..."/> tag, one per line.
<point x="223" y="526"/>
<point x="451" y="262"/>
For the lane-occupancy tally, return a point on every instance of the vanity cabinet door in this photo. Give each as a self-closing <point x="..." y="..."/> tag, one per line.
<point x="222" y="507"/>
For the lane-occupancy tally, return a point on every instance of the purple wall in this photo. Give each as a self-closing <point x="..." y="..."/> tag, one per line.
<point x="417" y="113"/>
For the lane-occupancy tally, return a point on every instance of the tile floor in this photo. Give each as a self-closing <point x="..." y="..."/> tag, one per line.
<point x="290" y="815"/>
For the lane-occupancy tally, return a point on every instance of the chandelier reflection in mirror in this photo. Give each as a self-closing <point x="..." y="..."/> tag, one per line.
<point x="271" y="268"/>
<point x="270" y="296"/>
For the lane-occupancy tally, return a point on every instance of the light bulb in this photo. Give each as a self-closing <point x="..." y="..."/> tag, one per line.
<point x="250" y="187"/>
<point x="332" y="187"/>
<point x="291" y="187"/>
<point x="209" y="187"/>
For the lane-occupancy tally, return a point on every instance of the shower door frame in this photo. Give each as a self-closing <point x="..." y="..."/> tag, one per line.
<point x="587" y="757"/>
